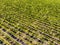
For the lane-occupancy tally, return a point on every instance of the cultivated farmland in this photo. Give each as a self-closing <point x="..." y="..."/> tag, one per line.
<point x="29" y="22"/>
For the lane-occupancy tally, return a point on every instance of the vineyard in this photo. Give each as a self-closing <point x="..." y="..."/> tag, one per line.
<point x="29" y="22"/>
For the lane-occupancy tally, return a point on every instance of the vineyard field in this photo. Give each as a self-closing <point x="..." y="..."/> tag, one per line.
<point x="29" y="22"/>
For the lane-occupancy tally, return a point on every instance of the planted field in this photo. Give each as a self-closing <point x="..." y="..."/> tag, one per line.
<point x="29" y="22"/>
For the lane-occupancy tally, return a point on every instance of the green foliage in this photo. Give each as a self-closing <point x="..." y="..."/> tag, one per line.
<point x="31" y="21"/>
